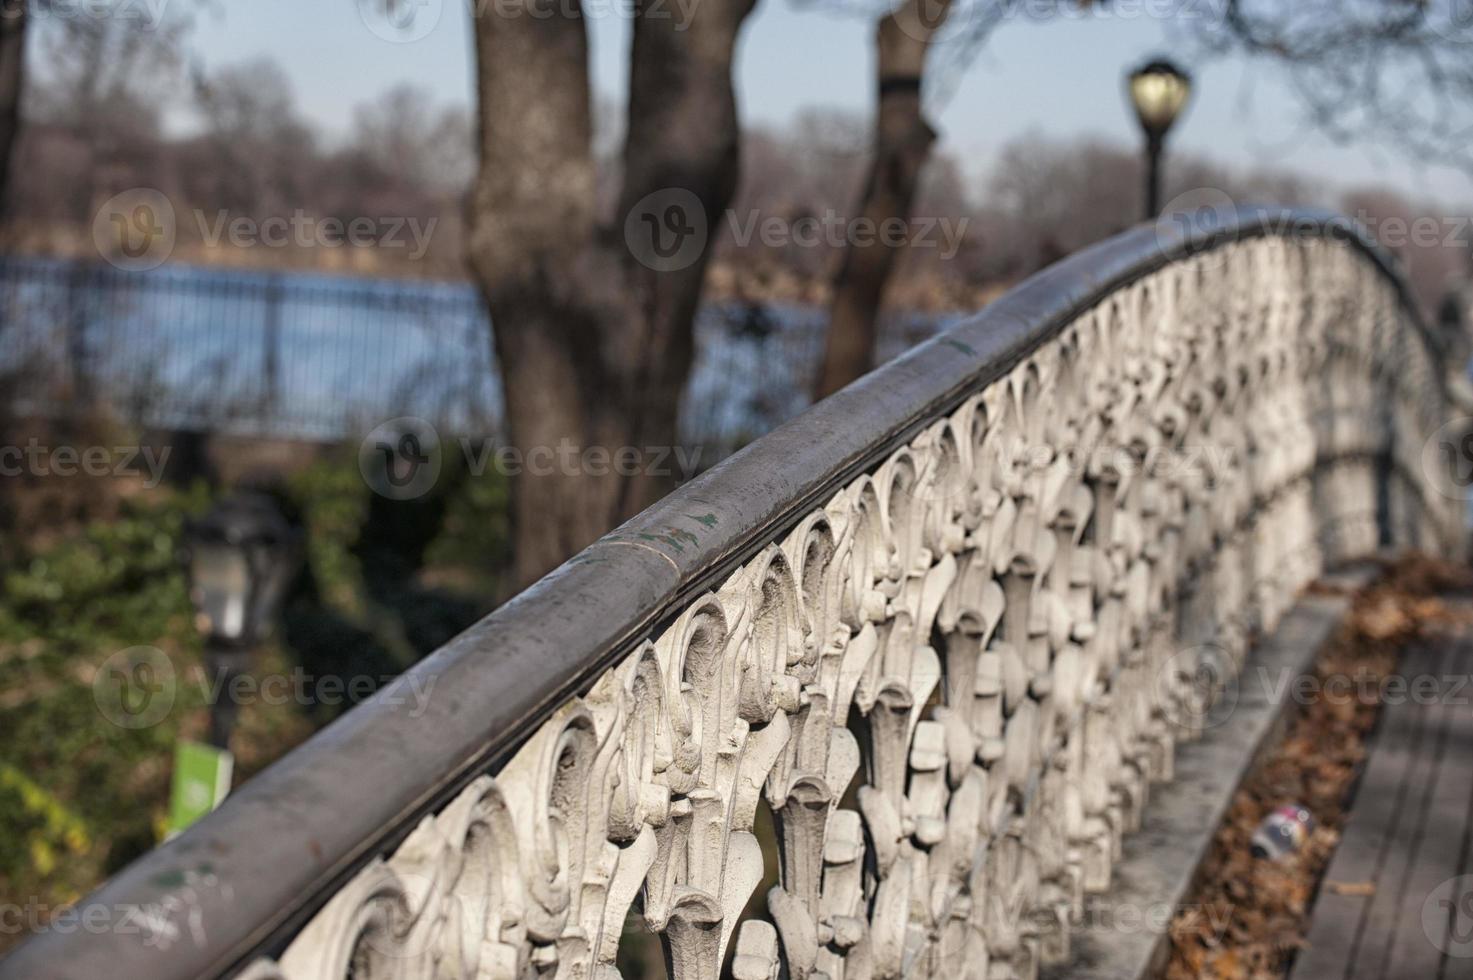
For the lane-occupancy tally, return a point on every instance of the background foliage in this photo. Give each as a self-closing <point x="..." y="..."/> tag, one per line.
<point x="382" y="583"/>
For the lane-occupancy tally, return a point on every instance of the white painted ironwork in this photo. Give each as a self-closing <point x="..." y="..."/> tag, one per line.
<point x="953" y="685"/>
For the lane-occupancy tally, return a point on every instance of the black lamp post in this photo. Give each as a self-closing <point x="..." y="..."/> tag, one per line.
<point x="1158" y="91"/>
<point x="241" y="557"/>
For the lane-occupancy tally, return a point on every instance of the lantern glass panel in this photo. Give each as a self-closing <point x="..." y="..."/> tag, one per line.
<point x="220" y="578"/>
<point x="1158" y="97"/>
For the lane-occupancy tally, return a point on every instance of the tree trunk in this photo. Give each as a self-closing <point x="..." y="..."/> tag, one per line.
<point x="903" y="140"/>
<point x="12" y="84"/>
<point x="593" y="330"/>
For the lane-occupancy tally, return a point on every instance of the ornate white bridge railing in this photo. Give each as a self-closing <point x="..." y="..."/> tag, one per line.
<point x="946" y="629"/>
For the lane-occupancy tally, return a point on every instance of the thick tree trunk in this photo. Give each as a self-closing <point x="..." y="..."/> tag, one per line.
<point x="902" y="145"/>
<point x="593" y="330"/>
<point x="682" y="145"/>
<point x="13" y="18"/>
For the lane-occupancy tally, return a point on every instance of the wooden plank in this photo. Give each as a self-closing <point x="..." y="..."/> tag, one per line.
<point x="1422" y="926"/>
<point x="1334" y="925"/>
<point x="1336" y="922"/>
<point x="1404" y="834"/>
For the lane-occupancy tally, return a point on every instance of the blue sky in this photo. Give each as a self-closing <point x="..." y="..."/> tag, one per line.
<point x="1060" y="78"/>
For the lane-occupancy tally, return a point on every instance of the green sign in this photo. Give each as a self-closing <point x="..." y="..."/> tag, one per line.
<point x="201" y="781"/>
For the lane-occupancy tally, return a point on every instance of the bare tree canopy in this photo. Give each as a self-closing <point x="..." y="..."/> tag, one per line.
<point x="107" y="73"/>
<point x="253" y="140"/>
<point x="103" y="78"/>
<point x="1392" y="72"/>
<point x="415" y="140"/>
<point x="902" y="147"/>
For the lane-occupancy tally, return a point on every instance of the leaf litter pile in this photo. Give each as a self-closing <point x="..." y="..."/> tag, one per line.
<point x="1248" y="916"/>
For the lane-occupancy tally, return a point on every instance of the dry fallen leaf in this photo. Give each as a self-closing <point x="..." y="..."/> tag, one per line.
<point x="1352" y="888"/>
<point x="1262" y="909"/>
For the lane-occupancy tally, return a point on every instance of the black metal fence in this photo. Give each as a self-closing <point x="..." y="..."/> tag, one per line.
<point x="326" y="358"/>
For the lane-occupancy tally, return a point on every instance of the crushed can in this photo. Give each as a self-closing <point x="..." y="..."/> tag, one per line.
<point x="1282" y="832"/>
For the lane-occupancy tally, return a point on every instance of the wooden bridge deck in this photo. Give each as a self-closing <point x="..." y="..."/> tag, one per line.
<point x="1397" y="900"/>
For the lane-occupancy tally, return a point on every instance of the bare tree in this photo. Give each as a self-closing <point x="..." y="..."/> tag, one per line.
<point x="902" y="145"/>
<point x="1392" y="71"/>
<point x="1053" y="197"/>
<point x="594" y="332"/>
<point x="108" y="70"/>
<point x="250" y="154"/>
<point x="13" y="17"/>
<point x="1431" y="244"/>
<point x="408" y="157"/>
<point x="104" y="79"/>
<point x="92" y="93"/>
<point x="1397" y="73"/>
<point x="804" y="175"/>
<point x="257" y="149"/>
<point x="415" y="141"/>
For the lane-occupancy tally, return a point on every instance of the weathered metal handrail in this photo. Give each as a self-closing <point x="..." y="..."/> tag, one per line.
<point x="967" y="557"/>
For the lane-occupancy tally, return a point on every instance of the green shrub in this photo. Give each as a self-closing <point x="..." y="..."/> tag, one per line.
<point x="81" y="796"/>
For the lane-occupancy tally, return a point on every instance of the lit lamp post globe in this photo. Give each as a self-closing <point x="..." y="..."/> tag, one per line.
<point x="240" y="557"/>
<point x="1158" y="91"/>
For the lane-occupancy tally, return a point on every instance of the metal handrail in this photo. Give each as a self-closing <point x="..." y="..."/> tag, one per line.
<point x="244" y="879"/>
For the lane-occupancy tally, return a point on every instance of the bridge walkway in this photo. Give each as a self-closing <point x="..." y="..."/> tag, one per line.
<point x="1397" y="899"/>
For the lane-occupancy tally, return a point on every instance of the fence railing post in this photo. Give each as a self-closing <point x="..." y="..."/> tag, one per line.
<point x="271" y="355"/>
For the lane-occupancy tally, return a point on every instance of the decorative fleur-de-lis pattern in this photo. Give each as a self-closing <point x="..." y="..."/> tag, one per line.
<point x="953" y="687"/>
